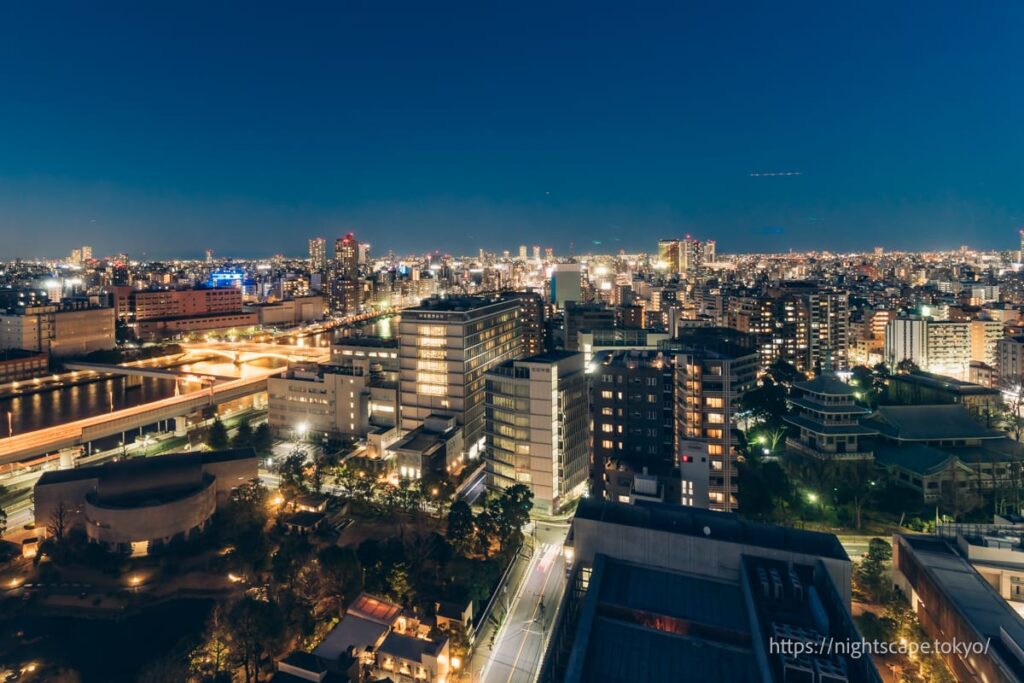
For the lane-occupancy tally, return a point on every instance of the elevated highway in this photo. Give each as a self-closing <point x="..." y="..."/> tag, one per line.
<point x="42" y="442"/>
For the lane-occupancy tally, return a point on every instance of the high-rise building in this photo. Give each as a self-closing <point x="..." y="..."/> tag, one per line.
<point x="691" y="257"/>
<point x="537" y="427"/>
<point x="318" y="254"/>
<point x="346" y="256"/>
<point x="634" y="432"/>
<point x="566" y="284"/>
<point x="942" y="347"/>
<point x="668" y="255"/>
<point x="798" y="322"/>
<point x="522" y="252"/>
<point x="580" y="317"/>
<point x="86" y="253"/>
<point x="1010" y="351"/>
<point x="534" y="323"/>
<point x="985" y="335"/>
<point x="536" y="253"/>
<point x="445" y="347"/>
<point x="713" y="369"/>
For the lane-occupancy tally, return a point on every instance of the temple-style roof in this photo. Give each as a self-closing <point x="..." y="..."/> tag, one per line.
<point x="826" y="383"/>
<point x="929" y="423"/>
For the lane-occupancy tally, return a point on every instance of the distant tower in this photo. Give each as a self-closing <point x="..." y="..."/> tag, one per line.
<point x="522" y="252"/>
<point x="209" y="256"/>
<point x="346" y="256"/>
<point x="536" y="253"/>
<point x="318" y="254"/>
<point x="1020" y="254"/>
<point x="86" y="253"/>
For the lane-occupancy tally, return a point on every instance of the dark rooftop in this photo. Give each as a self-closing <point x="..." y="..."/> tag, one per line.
<point x="142" y="467"/>
<point x="950" y="384"/>
<point x="929" y="423"/>
<point x="548" y="357"/>
<point x="722" y="526"/>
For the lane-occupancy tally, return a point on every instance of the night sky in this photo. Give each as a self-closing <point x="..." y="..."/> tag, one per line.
<point x="248" y="127"/>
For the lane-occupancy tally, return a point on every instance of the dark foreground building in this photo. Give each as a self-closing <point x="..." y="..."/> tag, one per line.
<point x="668" y="593"/>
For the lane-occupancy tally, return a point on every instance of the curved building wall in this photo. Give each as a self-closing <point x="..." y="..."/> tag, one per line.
<point x="155" y="523"/>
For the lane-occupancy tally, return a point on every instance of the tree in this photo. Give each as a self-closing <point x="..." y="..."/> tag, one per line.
<point x="244" y="436"/>
<point x="509" y="511"/>
<point x="57" y="526"/>
<point x="399" y="584"/>
<point x="262" y="440"/>
<point x="766" y="404"/>
<point x="342" y="578"/>
<point x="871" y="571"/>
<point x="256" y="627"/>
<point x="212" y="660"/>
<point x="1012" y="390"/>
<point x="784" y="372"/>
<point x="461" y="530"/>
<point x="292" y="471"/>
<point x="906" y="366"/>
<point x="854" y="483"/>
<point x="217" y="437"/>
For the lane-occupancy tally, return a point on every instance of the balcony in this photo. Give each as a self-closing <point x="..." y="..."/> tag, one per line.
<point x="798" y="446"/>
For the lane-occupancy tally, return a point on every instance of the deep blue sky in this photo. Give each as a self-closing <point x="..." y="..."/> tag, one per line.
<point x="248" y="128"/>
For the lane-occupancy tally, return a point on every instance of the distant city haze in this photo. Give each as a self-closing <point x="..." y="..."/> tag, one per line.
<point x="162" y="131"/>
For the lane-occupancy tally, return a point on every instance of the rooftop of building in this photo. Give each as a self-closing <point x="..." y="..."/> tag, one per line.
<point x="944" y="383"/>
<point x="368" y="341"/>
<point x="827" y="383"/>
<point x="721" y="526"/>
<point x="146" y="469"/>
<point x="409" y="648"/>
<point x="548" y="357"/>
<point x="946" y="422"/>
<point x="631" y="357"/>
<point x="970" y="595"/>
<point x="19" y="354"/>
<point x="455" y="304"/>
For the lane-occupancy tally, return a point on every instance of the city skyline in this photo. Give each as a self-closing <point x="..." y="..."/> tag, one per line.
<point x="802" y="127"/>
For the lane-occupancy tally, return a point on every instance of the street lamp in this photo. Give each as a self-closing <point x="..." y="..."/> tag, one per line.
<point x="301" y="430"/>
<point x="812" y="497"/>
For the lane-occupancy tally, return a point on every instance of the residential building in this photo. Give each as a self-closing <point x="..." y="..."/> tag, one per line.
<point x="942" y="347"/>
<point x="713" y="369"/>
<point x="346" y="257"/>
<point x="395" y="644"/>
<point x="537" y="427"/>
<point x="445" y="348"/>
<point x="1010" y="359"/>
<point x="318" y="254"/>
<point x="985" y="336"/>
<point x="633" y="436"/>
